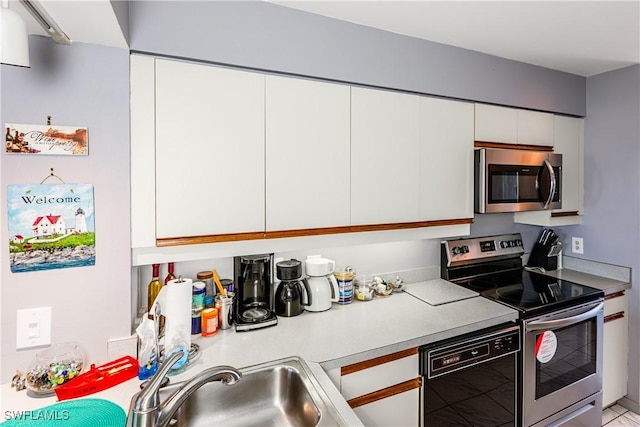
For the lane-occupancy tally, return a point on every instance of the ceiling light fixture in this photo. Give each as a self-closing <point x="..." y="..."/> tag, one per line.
<point x="46" y="21"/>
<point x="14" y="45"/>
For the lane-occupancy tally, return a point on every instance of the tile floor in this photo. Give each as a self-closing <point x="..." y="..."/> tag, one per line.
<point x="617" y="416"/>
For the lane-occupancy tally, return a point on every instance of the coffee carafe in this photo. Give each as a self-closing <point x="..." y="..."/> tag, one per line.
<point x="322" y="284"/>
<point x="289" y="299"/>
<point x="254" y="292"/>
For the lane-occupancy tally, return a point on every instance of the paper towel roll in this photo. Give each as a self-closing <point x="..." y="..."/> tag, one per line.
<point x="175" y="304"/>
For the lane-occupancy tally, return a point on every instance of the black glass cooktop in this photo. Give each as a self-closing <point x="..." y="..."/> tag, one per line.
<point x="532" y="293"/>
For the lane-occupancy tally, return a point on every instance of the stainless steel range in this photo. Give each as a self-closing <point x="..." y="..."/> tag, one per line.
<point x="560" y="364"/>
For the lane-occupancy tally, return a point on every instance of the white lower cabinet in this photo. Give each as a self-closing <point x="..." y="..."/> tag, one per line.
<point x="395" y="410"/>
<point x="615" y="343"/>
<point x="384" y="391"/>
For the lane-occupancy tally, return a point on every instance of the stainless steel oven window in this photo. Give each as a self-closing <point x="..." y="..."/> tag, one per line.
<point x="575" y="358"/>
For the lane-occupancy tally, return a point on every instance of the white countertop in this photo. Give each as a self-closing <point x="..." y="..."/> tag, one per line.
<point x="599" y="282"/>
<point x="343" y="335"/>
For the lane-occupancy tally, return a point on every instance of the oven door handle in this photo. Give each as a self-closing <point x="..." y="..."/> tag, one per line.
<point x="552" y="182"/>
<point x="567" y="321"/>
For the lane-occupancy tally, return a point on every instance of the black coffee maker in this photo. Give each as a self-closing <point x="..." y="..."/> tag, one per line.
<point x="254" y="292"/>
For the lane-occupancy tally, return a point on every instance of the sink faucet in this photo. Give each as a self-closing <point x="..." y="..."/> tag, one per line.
<point x="146" y="410"/>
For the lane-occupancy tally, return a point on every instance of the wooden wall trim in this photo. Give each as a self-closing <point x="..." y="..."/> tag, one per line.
<point x="614" y="316"/>
<point x="232" y="237"/>
<point x="487" y="144"/>
<point x="614" y="295"/>
<point x="385" y="392"/>
<point x="366" y="364"/>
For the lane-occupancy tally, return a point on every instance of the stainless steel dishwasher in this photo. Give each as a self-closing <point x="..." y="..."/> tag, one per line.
<point x="472" y="380"/>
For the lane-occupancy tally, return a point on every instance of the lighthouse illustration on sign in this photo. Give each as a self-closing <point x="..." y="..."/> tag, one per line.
<point x="81" y="222"/>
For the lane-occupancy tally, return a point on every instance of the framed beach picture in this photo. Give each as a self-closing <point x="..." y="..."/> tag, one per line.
<point x="51" y="226"/>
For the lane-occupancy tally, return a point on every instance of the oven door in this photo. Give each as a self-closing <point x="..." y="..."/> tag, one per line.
<point x="562" y="360"/>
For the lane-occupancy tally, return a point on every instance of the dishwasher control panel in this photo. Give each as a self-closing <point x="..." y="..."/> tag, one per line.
<point x="468" y="351"/>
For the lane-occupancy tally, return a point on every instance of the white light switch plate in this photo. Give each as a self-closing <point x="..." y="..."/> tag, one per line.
<point x="33" y="328"/>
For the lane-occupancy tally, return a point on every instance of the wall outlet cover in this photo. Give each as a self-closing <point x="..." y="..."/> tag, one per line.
<point x="120" y="347"/>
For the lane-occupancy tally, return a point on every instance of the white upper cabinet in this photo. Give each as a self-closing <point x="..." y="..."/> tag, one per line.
<point x="307" y="154"/>
<point x="568" y="141"/>
<point x="496" y="124"/>
<point x="535" y="128"/>
<point x="446" y="159"/>
<point x="513" y="126"/>
<point x="384" y="157"/>
<point x="209" y="150"/>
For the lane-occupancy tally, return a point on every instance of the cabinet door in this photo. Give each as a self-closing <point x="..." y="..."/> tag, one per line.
<point x="446" y="159"/>
<point x="308" y="158"/>
<point x="496" y="124"/>
<point x="569" y="142"/>
<point x="209" y="150"/>
<point x="401" y="409"/>
<point x="615" y="353"/>
<point x="535" y="128"/>
<point x="384" y="157"/>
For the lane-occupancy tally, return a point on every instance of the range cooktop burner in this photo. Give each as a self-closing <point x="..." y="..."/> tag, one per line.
<point x="494" y="269"/>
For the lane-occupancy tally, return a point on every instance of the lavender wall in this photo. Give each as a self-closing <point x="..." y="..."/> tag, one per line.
<point x="271" y="37"/>
<point x="611" y="223"/>
<point x="78" y="85"/>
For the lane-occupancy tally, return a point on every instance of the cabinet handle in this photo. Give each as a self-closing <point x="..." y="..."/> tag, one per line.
<point x="614" y="295"/>
<point x="614" y="316"/>
<point x="366" y="364"/>
<point x="385" y="392"/>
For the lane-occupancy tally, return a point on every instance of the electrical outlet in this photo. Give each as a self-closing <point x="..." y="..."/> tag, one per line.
<point x="119" y="347"/>
<point x="33" y="328"/>
<point x="577" y="245"/>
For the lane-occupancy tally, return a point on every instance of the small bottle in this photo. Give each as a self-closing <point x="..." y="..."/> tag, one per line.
<point x="170" y="274"/>
<point x="8" y="137"/>
<point x="207" y="278"/>
<point x="154" y="287"/>
<point x="209" y="322"/>
<point x="197" y="305"/>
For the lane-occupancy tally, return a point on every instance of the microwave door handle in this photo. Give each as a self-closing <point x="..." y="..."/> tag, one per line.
<point x="552" y="180"/>
<point x="561" y="323"/>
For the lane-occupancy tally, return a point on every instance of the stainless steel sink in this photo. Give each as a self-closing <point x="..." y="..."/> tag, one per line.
<point x="279" y="393"/>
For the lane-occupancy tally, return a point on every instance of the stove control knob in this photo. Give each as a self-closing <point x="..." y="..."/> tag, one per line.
<point x="518" y="242"/>
<point x="504" y="244"/>
<point x="456" y="250"/>
<point x="465" y="249"/>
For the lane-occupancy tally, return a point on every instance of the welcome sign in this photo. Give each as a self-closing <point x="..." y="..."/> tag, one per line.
<point x="36" y="139"/>
<point x="50" y="226"/>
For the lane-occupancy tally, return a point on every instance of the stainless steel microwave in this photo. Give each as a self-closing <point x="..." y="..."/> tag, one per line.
<point x="510" y="180"/>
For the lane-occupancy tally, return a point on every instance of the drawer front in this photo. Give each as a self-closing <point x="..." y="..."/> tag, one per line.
<point x="614" y="303"/>
<point x="356" y="382"/>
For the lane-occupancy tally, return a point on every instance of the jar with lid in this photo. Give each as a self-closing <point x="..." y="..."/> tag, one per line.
<point x="210" y="290"/>
<point x="209" y="322"/>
